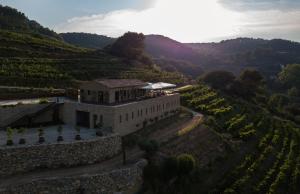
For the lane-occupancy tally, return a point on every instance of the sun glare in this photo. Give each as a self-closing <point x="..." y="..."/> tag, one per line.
<point x="185" y="21"/>
<point x="207" y="19"/>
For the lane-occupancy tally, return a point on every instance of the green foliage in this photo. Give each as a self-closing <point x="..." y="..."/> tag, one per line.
<point x="11" y="19"/>
<point x="236" y="122"/>
<point x="218" y="79"/>
<point x="278" y="100"/>
<point x="40" y="132"/>
<point x="59" y="129"/>
<point x="77" y="128"/>
<point x="86" y="40"/>
<point x="290" y="75"/>
<point x="251" y="78"/>
<point x="149" y="146"/>
<point x="9" y="133"/>
<point x="294" y="92"/>
<point x="129" y="46"/>
<point x="186" y="163"/>
<point x="43" y="101"/>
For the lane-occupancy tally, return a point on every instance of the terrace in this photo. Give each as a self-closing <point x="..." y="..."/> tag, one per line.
<point x="50" y="135"/>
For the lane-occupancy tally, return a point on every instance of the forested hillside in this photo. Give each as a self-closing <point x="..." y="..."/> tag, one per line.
<point x="86" y="40"/>
<point x="34" y="56"/>
<point x="268" y="56"/>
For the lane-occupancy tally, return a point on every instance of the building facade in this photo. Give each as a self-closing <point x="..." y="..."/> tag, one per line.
<point x="122" y="106"/>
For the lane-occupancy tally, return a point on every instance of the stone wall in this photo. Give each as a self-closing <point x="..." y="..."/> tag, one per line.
<point x="119" y="180"/>
<point x="15" y="160"/>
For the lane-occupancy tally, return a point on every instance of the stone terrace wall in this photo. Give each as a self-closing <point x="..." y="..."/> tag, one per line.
<point x="15" y="160"/>
<point x="119" y="180"/>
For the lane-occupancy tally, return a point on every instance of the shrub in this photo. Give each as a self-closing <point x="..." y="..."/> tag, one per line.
<point x="9" y="133"/>
<point x="77" y="137"/>
<point x="186" y="163"/>
<point x="21" y="131"/>
<point x="43" y="101"/>
<point x="149" y="146"/>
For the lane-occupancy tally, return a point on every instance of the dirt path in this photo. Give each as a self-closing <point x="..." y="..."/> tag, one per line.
<point x="133" y="155"/>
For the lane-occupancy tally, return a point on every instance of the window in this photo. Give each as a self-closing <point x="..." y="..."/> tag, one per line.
<point x="126" y="116"/>
<point x="89" y="92"/>
<point x="146" y="111"/>
<point x="120" y="118"/>
<point x="132" y="115"/>
<point x="138" y="113"/>
<point x="141" y="112"/>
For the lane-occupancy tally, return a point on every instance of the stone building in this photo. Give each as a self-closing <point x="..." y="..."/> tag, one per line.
<point x="120" y="105"/>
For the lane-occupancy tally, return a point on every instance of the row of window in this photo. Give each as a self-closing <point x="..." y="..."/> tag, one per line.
<point x="152" y="109"/>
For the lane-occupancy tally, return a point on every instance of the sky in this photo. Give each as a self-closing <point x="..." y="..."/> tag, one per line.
<point x="182" y="20"/>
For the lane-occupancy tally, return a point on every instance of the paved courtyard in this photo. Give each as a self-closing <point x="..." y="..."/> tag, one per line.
<point x="50" y="134"/>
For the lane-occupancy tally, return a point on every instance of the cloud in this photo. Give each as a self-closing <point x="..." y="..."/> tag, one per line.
<point x="192" y="21"/>
<point x="186" y="21"/>
<point x="261" y="5"/>
<point x="271" y="24"/>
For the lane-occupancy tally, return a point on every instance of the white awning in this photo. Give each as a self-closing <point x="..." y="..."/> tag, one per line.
<point x="159" y="86"/>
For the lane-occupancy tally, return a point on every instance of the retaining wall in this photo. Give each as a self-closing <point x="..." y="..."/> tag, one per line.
<point x="116" y="181"/>
<point x="15" y="160"/>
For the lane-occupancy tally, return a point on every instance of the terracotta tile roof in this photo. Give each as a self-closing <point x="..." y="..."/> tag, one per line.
<point x="120" y="83"/>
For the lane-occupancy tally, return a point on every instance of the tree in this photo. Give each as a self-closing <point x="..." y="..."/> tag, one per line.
<point x="290" y="75"/>
<point x="247" y="85"/>
<point x="218" y="79"/>
<point x="251" y="78"/>
<point x="129" y="46"/>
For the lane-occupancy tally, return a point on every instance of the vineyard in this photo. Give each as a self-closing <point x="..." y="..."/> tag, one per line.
<point x="273" y="165"/>
<point x="38" y="61"/>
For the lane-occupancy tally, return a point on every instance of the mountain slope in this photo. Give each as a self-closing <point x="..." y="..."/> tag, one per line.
<point x="172" y="55"/>
<point x="32" y="58"/>
<point x="13" y="20"/>
<point x="234" y="55"/>
<point x="86" y="40"/>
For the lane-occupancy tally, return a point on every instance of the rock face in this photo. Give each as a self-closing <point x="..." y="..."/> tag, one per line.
<point x="15" y="160"/>
<point x="118" y="180"/>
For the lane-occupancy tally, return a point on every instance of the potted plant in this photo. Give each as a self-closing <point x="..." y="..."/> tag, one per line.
<point x="22" y="131"/>
<point x="77" y="137"/>
<point x="99" y="131"/>
<point x="59" y="131"/>
<point x="9" y="133"/>
<point x="41" y="135"/>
